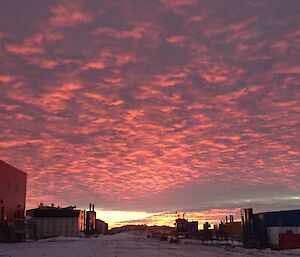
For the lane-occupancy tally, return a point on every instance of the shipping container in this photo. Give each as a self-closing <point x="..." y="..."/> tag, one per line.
<point x="274" y="232"/>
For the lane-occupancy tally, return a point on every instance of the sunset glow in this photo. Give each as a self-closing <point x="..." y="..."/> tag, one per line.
<point x="148" y="108"/>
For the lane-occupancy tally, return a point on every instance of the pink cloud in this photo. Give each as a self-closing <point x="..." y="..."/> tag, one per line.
<point x="24" y="49"/>
<point x="94" y="65"/>
<point x="177" y="39"/>
<point x="43" y="63"/>
<point x="289" y="70"/>
<point x="177" y="5"/>
<point x="68" y="15"/>
<point x="6" y="78"/>
<point x="148" y="109"/>
<point x="70" y="87"/>
<point x="134" y="33"/>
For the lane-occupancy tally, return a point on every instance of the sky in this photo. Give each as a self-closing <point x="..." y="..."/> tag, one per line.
<point x="148" y="108"/>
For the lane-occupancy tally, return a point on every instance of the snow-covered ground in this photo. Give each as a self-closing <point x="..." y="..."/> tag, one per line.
<point x="127" y="245"/>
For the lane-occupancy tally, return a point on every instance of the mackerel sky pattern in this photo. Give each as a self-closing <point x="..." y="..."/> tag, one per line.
<point x="153" y="105"/>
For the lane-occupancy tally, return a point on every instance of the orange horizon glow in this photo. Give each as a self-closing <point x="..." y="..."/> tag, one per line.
<point x="213" y="217"/>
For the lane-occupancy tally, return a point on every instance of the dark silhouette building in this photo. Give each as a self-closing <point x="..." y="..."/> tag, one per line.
<point x="101" y="227"/>
<point x="12" y="202"/>
<point x="90" y="223"/>
<point x="186" y="228"/>
<point x="232" y="228"/>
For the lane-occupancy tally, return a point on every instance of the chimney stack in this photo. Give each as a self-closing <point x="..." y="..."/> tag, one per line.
<point x="93" y="207"/>
<point x="90" y="207"/>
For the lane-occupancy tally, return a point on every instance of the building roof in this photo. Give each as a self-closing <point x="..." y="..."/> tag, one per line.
<point x="181" y="220"/>
<point x="49" y="211"/>
<point x="278" y="218"/>
<point x="279" y="212"/>
<point x="4" y="165"/>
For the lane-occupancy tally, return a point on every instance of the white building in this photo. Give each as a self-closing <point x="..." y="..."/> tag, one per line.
<point x="50" y="221"/>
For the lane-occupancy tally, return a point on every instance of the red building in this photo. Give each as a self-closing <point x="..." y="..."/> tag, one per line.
<point x="12" y="202"/>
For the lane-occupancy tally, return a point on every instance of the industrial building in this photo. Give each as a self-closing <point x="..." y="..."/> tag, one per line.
<point x="228" y="230"/>
<point x="51" y="221"/>
<point x="12" y="203"/>
<point x="90" y="221"/>
<point x="278" y="229"/>
<point x="232" y="229"/>
<point x="186" y="228"/>
<point x="101" y="227"/>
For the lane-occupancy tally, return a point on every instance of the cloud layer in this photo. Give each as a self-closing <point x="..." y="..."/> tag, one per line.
<point x="152" y="105"/>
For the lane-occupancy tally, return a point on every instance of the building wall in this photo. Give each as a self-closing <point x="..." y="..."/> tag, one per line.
<point x="255" y="226"/>
<point x="271" y="219"/>
<point x="12" y="192"/>
<point x="81" y="220"/>
<point x="56" y="226"/>
<point x="101" y="226"/>
<point x="182" y="226"/>
<point x="289" y="241"/>
<point x="90" y="220"/>
<point x="233" y="228"/>
<point x="274" y="232"/>
<point x="12" y="203"/>
<point x="193" y="228"/>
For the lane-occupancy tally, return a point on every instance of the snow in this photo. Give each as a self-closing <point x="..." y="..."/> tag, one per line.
<point x="128" y="245"/>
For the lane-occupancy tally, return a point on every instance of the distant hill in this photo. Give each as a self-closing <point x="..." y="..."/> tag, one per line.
<point x="141" y="227"/>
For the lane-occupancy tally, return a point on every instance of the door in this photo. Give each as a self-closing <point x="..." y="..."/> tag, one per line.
<point x="1" y="216"/>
